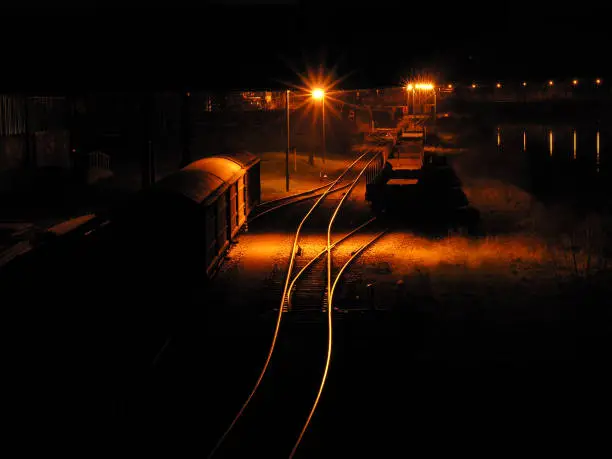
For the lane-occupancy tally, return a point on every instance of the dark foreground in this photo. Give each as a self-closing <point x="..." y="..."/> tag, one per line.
<point x="112" y="345"/>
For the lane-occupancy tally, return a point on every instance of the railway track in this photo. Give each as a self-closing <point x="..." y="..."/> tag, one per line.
<point x="283" y="409"/>
<point x="276" y="204"/>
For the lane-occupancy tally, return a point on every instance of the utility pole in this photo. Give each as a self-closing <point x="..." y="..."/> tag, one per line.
<point x="323" y="119"/>
<point x="288" y="144"/>
<point x="435" y="104"/>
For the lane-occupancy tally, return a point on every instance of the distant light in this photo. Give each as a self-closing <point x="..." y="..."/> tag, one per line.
<point x="575" y="82"/>
<point x="318" y="94"/>
<point x="424" y="86"/>
<point x="188" y="94"/>
<point x="550" y="83"/>
<point x="597" y="81"/>
<point x="498" y="85"/>
<point x="550" y="142"/>
<point x="409" y="87"/>
<point x="524" y="83"/>
<point x="473" y="85"/>
<point x="450" y="86"/>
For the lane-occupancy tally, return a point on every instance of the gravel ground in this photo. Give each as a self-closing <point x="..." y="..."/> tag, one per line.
<point x="450" y="345"/>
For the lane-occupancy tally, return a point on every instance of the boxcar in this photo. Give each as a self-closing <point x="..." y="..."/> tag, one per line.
<point x="223" y="190"/>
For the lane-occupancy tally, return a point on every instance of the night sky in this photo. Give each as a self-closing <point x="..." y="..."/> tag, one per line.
<point x="239" y="46"/>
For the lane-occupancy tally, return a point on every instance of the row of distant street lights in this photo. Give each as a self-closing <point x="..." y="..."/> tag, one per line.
<point x="498" y="85"/>
<point x="318" y="94"/>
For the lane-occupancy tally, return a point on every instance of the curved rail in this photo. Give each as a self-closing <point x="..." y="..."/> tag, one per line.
<point x="319" y="255"/>
<point x="331" y="295"/>
<point x="295" y="201"/>
<point x="296" y="195"/>
<point x="329" y="307"/>
<point x="355" y="255"/>
<point x="280" y="309"/>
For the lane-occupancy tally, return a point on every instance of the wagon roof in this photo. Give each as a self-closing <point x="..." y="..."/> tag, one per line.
<point x="244" y="158"/>
<point x="201" y="179"/>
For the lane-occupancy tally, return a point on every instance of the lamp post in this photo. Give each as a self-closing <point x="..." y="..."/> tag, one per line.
<point x="409" y="90"/>
<point x="319" y="94"/>
<point x="288" y="145"/>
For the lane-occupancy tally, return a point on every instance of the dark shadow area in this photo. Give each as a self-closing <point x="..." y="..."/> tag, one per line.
<point x="53" y="193"/>
<point x="89" y="313"/>
<point x="433" y="206"/>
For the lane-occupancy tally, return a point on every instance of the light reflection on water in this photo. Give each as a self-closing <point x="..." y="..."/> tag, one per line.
<point x="564" y="142"/>
<point x="560" y="159"/>
<point x="550" y="142"/>
<point x="597" y="150"/>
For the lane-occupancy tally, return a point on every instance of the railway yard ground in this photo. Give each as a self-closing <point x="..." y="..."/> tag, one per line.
<point x="444" y="343"/>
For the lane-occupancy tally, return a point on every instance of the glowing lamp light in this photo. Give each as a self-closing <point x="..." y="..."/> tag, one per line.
<point x="409" y="87"/>
<point x="318" y="94"/>
<point x="597" y="81"/>
<point x="524" y="83"/>
<point x="473" y="85"/>
<point x="575" y="82"/>
<point x="498" y="85"/>
<point x="424" y="86"/>
<point x="450" y="86"/>
<point x="550" y="83"/>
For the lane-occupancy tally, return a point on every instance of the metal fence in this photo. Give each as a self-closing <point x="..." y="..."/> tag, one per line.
<point x="98" y="160"/>
<point x="12" y="115"/>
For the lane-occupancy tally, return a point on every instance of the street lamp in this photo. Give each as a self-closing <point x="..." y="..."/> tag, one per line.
<point x="319" y="94"/>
